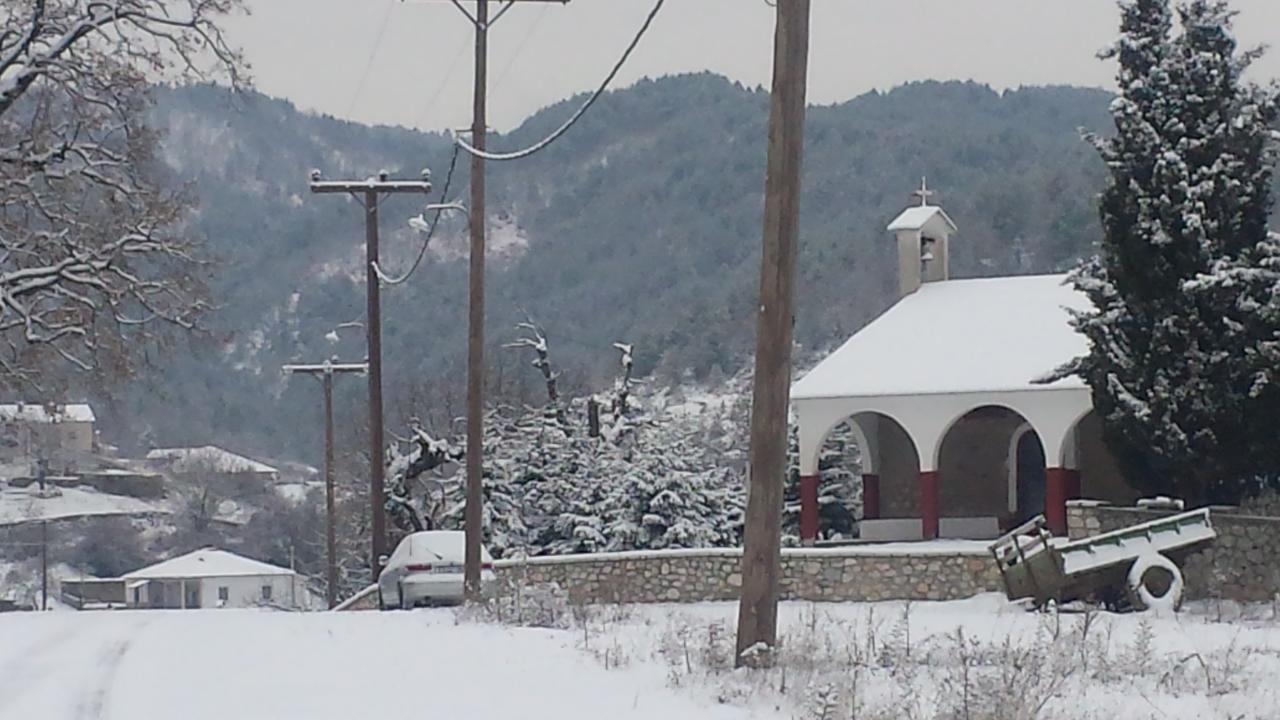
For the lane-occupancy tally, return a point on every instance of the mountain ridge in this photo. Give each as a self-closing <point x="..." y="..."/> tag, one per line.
<point x="641" y="224"/>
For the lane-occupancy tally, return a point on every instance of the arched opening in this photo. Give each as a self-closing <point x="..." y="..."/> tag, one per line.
<point x="1028" y="475"/>
<point x="840" y="486"/>
<point x="1097" y="474"/>
<point x="890" y="471"/>
<point x="992" y="473"/>
<point x="878" y="456"/>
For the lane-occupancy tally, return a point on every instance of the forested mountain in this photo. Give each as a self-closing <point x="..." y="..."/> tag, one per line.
<point x="642" y="224"/>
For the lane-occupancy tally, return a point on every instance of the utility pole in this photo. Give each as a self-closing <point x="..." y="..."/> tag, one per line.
<point x="44" y="565"/>
<point x="475" y="319"/>
<point x="771" y="394"/>
<point x="325" y="371"/>
<point x="42" y="469"/>
<point x="369" y="194"/>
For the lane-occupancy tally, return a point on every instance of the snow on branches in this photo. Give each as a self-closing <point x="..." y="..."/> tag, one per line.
<point x="1185" y="334"/>
<point x="94" y="261"/>
<point x="653" y="478"/>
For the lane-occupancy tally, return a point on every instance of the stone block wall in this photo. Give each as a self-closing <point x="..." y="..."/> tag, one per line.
<point x="1242" y="564"/>
<point x="822" y="575"/>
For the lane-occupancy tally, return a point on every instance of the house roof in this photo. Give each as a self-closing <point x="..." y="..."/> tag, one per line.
<point x="206" y="562"/>
<point x="915" y="218"/>
<point x="209" y="457"/>
<point x="38" y="413"/>
<point x="958" y="336"/>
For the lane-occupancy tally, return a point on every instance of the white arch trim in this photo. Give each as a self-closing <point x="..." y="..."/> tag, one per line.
<point x="1052" y="412"/>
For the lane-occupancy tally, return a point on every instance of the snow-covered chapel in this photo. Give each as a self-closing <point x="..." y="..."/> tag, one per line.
<point x="944" y="395"/>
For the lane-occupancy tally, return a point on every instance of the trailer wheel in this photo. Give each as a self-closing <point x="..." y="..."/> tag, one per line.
<point x="1141" y="576"/>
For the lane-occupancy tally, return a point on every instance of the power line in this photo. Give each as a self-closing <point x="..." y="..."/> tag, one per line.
<point x="448" y="75"/>
<point x="573" y="119"/>
<point x="431" y="231"/>
<point x="542" y="13"/>
<point x="373" y="54"/>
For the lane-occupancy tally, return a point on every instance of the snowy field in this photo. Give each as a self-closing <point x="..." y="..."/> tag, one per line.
<point x="261" y="665"/>
<point x="974" y="659"/>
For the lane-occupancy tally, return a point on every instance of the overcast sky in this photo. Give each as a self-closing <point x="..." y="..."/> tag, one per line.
<point x="408" y="62"/>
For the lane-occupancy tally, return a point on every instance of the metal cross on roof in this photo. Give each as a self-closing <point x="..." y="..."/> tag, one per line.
<point x="924" y="193"/>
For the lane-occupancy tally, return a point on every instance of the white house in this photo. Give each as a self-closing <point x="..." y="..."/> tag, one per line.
<point x="945" y="395"/>
<point x="211" y="578"/>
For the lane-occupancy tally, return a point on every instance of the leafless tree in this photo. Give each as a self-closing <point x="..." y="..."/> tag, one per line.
<point x="537" y="342"/>
<point x="96" y="265"/>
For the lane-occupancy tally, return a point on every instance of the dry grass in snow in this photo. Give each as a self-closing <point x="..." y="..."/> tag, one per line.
<point x="980" y="659"/>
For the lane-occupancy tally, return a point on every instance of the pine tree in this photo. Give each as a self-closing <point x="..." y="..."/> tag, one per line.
<point x="1183" y="332"/>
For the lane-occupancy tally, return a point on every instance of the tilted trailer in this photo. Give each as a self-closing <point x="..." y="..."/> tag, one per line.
<point x="1114" y="568"/>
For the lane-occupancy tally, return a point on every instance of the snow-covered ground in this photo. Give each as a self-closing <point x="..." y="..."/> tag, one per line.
<point x="981" y="658"/>
<point x="260" y="665"/>
<point x="19" y="505"/>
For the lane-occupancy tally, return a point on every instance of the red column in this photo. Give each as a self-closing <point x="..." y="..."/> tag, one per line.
<point x="870" y="496"/>
<point x="929" y="505"/>
<point x="1057" y="486"/>
<point x="809" y="508"/>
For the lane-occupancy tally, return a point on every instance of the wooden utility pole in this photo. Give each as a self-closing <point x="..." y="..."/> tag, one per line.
<point x="475" y="318"/>
<point x="771" y="394"/>
<point x="369" y="193"/>
<point x="325" y="371"/>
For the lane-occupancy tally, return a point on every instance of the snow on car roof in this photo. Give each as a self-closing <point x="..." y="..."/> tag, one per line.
<point x="207" y="562"/>
<point x="958" y="336"/>
<point x="442" y="544"/>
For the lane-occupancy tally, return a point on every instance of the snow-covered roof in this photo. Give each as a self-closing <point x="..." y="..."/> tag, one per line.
<point x="208" y="457"/>
<point x="18" y="507"/>
<point x="915" y="218"/>
<point x="37" y="413"/>
<point x="207" y="562"/>
<point x="958" y="336"/>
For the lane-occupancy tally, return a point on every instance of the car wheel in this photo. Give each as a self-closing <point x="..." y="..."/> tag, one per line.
<point x="405" y="603"/>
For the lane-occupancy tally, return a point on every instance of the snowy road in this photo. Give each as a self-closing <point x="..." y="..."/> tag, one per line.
<point x="321" y="666"/>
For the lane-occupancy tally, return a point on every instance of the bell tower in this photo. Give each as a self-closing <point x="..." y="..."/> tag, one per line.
<point x="924" y="235"/>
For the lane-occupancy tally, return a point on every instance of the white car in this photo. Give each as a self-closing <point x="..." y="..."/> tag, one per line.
<point x="426" y="569"/>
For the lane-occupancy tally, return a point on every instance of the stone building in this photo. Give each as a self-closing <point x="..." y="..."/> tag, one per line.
<point x="947" y="394"/>
<point x="31" y="430"/>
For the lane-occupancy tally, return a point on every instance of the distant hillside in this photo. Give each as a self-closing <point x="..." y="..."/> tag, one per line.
<point x="643" y="224"/>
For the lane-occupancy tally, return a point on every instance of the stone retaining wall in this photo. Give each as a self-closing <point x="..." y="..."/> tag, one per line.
<point x="1242" y="564"/>
<point x="838" y="574"/>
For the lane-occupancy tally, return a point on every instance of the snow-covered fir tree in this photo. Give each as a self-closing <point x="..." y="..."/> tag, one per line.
<point x="1184" y="333"/>
<point x="652" y="477"/>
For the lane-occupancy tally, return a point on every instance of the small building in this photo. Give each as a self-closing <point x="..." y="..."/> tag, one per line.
<point x="239" y="474"/>
<point x="29" y="430"/>
<point x="212" y="578"/>
<point x="947" y="395"/>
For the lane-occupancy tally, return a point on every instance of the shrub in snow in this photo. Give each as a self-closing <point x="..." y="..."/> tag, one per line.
<point x="514" y="602"/>
<point x="1186" y="289"/>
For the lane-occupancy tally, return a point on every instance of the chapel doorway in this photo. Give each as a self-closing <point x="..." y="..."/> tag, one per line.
<point x="1030" y="465"/>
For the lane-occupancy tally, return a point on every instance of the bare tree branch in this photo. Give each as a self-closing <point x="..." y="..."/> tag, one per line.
<point x="95" y="263"/>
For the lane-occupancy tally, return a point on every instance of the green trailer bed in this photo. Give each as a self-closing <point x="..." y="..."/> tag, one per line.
<point x="1112" y="568"/>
